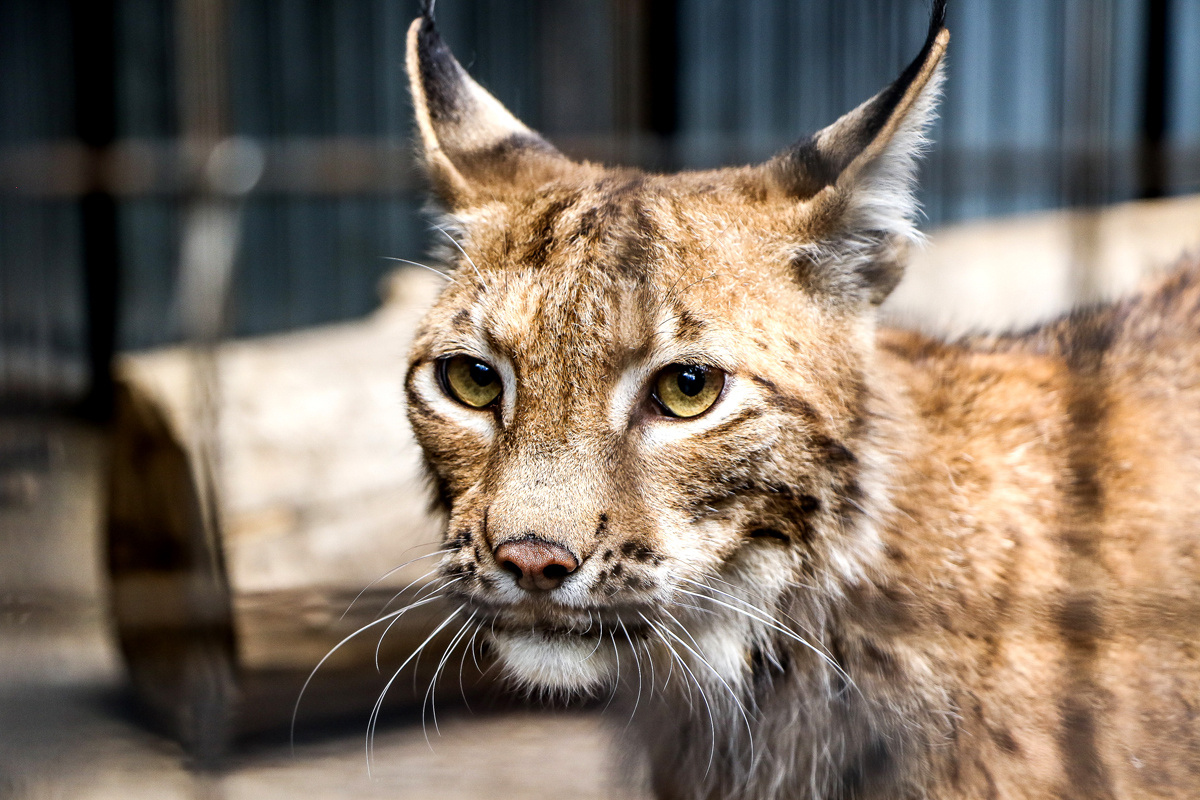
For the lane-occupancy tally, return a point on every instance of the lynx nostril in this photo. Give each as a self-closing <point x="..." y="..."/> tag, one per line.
<point x="513" y="568"/>
<point x="556" y="571"/>
<point x="537" y="564"/>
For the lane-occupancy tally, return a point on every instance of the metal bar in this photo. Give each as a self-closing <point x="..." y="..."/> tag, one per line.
<point x="93" y="29"/>
<point x="1152" y="167"/>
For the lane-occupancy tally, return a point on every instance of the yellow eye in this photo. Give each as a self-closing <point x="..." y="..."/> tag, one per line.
<point x="470" y="381"/>
<point x="688" y="390"/>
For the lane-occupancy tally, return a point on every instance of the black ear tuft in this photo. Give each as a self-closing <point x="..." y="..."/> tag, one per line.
<point x="819" y="160"/>
<point x="473" y="146"/>
<point x="441" y="75"/>
<point x="937" y="18"/>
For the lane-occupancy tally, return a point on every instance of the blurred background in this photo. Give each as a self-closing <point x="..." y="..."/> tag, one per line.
<point x="194" y="172"/>
<point x="105" y="108"/>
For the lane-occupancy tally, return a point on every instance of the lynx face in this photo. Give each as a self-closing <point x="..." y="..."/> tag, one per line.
<point x="643" y="398"/>
<point x="622" y="422"/>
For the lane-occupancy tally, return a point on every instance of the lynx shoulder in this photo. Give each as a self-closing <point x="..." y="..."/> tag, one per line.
<point x="813" y="557"/>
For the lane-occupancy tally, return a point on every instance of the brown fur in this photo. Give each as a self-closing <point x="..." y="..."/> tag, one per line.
<point x="994" y="540"/>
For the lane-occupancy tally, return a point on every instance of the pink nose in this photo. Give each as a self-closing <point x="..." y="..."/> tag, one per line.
<point x="538" y="565"/>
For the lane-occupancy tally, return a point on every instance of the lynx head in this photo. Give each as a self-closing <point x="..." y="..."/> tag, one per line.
<point x="645" y="396"/>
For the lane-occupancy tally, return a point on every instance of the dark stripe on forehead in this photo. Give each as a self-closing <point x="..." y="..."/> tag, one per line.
<point x="620" y="226"/>
<point x="461" y="323"/>
<point x="607" y="208"/>
<point x="541" y="241"/>
<point x="635" y="250"/>
<point x="688" y="326"/>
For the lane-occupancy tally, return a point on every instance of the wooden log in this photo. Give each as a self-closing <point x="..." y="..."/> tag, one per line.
<point x="254" y="490"/>
<point x="1010" y="273"/>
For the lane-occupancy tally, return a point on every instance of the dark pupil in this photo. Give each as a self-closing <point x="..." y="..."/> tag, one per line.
<point x="481" y="373"/>
<point x="691" y="381"/>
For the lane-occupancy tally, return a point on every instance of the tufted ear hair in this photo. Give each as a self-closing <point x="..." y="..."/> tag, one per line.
<point x="858" y="175"/>
<point x="473" y="146"/>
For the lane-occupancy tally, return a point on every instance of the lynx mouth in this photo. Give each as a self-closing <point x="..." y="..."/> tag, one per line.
<point x="501" y="620"/>
<point x="552" y="632"/>
<point x="558" y="620"/>
<point x="562" y="650"/>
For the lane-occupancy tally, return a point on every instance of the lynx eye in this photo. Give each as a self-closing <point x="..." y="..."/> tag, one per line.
<point x="469" y="380"/>
<point x="687" y="390"/>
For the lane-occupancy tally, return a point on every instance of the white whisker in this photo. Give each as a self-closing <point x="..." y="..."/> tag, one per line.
<point x="454" y="242"/>
<point x="374" y="718"/>
<point x="326" y="657"/>
<point x="612" y="634"/>
<point x="436" y="596"/>
<point x="758" y="615"/>
<point x="637" y="660"/>
<point x="422" y="266"/>
<point x="662" y="632"/>
<point x="696" y="652"/>
<point x="388" y="574"/>
<point x="425" y="588"/>
<point x="430" y="693"/>
<point x="462" y="662"/>
<point x="599" y="638"/>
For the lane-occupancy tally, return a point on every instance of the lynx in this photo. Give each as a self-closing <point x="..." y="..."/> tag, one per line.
<point x="813" y="557"/>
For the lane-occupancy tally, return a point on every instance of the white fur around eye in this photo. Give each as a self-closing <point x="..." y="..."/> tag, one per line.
<point x="508" y="379"/>
<point x="625" y="396"/>
<point x="429" y="389"/>
<point x="665" y="430"/>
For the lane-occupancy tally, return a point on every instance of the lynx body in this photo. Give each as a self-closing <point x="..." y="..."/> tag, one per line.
<point x="816" y="559"/>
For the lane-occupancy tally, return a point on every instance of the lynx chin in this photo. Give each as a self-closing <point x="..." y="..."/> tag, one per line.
<point x="811" y="556"/>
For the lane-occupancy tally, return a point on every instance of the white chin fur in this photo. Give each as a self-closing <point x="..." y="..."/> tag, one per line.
<point x="555" y="663"/>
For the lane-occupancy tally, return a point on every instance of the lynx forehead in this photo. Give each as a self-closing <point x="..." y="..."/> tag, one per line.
<point x="813" y="558"/>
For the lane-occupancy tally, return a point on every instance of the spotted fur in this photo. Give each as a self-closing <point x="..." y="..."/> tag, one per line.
<point x="880" y="566"/>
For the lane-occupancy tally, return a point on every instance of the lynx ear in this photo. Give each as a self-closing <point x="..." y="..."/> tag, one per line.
<point x="472" y="145"/>
<point x="858" y="175"/>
